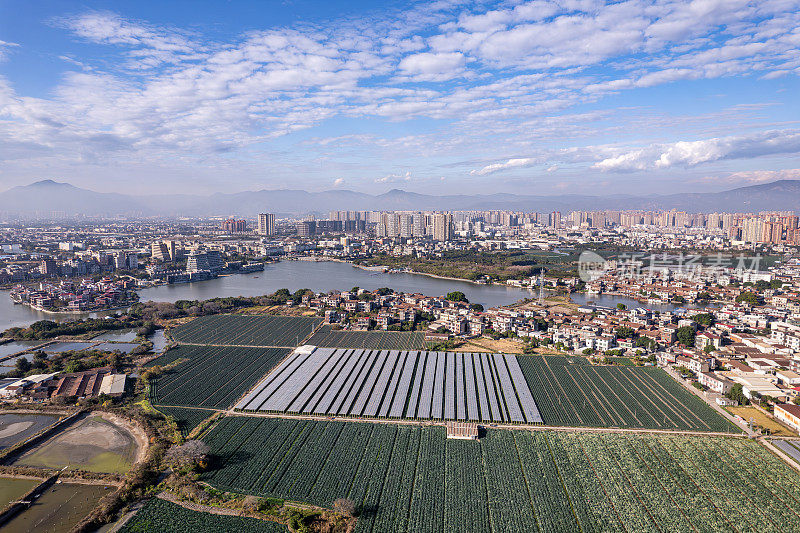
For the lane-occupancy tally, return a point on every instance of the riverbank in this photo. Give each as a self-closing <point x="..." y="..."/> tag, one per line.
<point x="388" y="270"/>
<point x="77" y="313"/>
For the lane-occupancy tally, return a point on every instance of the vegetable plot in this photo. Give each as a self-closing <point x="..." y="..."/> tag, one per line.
<point x="579" y="394"/>
<point x="410" y="478"/>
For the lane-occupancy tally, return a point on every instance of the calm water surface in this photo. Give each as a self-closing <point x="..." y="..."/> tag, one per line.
<point x="321" y="276"/>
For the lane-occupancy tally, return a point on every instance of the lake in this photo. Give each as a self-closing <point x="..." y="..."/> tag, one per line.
<point x="319" y="276"/>
<point x="323" y="276"/>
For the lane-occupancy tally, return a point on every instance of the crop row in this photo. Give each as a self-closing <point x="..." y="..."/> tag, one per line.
<point x="210" y="376"/>
<point x="186" y="418"/>
<point x="410" y="478"/>
<point x="159" y="516"/>
<point x="613" y="396"/>
<point x="247" y="330"/>
<point x="326" y="337"/>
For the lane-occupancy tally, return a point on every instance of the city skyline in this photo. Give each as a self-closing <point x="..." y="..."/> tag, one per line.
<point x="652" y="97"/>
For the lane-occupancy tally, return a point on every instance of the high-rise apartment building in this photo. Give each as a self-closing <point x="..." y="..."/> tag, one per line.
<point x="406" y="222"/>
<point x="442" y="226"/>
<point x="232" y="225"/>
<point x="306" y="228"/>
<point x="163" y="250"/>
<point x="266" y="224"/>
<point x="201" y="261"/>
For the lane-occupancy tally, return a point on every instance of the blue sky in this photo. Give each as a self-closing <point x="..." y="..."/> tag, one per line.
<point x="541" y="97"/>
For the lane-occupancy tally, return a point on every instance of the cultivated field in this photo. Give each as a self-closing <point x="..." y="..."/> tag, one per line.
<point x="326" y="337"/>
<point x="571" y="392"/>
<point x="397" y="384"/>
<point x="210" y="376"/>
<point x="410" y="478"/>
<point x="185" y="417"/>
<point x="159" y="516"/>
<point x="92" y="444"/>
<point x="485" y="344"/>
<point x="247" y="330"/>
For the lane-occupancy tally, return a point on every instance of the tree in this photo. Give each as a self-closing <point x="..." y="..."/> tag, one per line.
<point x="686" y="335"/>
<point x="624" y="332"/>
<point x="457" y="296"/>
<point x="749" y="298"/>
<point x="704" y="319"/>
<point x="478" y="308"/>
<point x="737" y="394"/>
<point x="191" y="454"/>
<point x="344" y="506"/>
<point x="622" y="307"/>
<point x="23" y="365"/>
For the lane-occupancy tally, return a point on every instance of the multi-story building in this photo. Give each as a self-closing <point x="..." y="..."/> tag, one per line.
<point x="266" y="224"/>
<point x="163" y="251"/>
<point x="442" y="226"/>
<point x="232" y="225"/>
<point x="306" y="228"/>
<point x="204" y="261"/>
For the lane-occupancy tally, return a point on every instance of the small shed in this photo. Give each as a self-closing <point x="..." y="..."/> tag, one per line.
<point x="462" y="430"/>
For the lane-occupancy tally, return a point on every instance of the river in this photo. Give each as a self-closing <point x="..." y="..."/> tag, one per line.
<point x="319" y="276"/>
<point x="324" y="276"/>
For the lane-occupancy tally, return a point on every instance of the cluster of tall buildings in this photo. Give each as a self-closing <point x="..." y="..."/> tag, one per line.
<point x="438" y="226"/>
<point x="232" y="225"/>
<point x="774" y="228"/>
<point x="771" y="228"/>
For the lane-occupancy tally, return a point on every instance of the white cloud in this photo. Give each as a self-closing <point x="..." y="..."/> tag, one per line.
<point x="755" y="176"/>
<point x="428" y="66"/>
<point x="497" y="81"/>
<point x="693" y="153"/>
<point x="511" y="163"/>
<point x="4" y="46"/>
<point x="394" y="178"/>
<point x="338" y="181"/>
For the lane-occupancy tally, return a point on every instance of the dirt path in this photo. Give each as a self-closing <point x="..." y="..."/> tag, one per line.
<point x="415" y="422"/>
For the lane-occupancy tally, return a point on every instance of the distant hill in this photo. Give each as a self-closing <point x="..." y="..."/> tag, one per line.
<point x="45" y="198"/>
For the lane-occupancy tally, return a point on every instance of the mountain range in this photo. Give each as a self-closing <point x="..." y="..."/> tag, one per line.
<point x="47" y="199"/>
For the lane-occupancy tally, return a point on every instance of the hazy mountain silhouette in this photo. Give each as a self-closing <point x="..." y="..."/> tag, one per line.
<point x="48" y="199"/>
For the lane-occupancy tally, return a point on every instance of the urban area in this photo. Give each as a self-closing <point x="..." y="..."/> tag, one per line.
<point x="636" y="321"/>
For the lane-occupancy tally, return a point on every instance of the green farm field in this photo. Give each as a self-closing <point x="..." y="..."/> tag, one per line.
<point x="570" y="392"/>
<point x="160" y="516"/>
<point x="411" y="478"/>
<point x="326" y="337"/>
<point x="247" y="330"/>
<point x="210" y="376"/>
<point x="185" y="417"/>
